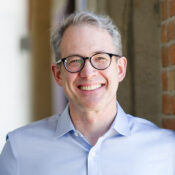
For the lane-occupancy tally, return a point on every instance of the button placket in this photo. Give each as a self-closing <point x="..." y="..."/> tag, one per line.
<point x="76" y="134"/>
<point x="93" y="159"/>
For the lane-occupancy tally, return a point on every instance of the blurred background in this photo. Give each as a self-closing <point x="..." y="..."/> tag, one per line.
<point x="28" y="91"/>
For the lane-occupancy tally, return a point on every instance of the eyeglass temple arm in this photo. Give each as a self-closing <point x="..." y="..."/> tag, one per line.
<point x="58" y="61"/>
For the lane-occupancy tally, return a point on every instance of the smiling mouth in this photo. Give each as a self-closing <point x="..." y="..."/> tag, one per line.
<point x="90" y="88"/>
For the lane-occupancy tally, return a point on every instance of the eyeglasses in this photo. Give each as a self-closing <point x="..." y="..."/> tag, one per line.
<point x="75" y="63"/>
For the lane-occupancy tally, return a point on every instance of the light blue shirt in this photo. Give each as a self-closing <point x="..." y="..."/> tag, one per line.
<point x="132" y="146"/>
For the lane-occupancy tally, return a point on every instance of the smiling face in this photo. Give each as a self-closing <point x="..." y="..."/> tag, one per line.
<point x="89" y="89"/>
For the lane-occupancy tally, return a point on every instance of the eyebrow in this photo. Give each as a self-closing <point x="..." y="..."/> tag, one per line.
<point x="96" y="52"/>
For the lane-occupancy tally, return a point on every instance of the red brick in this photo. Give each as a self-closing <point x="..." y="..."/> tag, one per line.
<point x="164" y="9"/>
<point x="172" y="54"/>
<point x="165" y="56"/>
<point x="165" y="81"/>
<point x="164" y="33"/>
<point x="167" y="104"/>
<point x="171" y="80"/>
<point x="172" y="7"/>
<point x="173" y="104"/>
<point x="171" y="31"/>
<point x="168" y="123"/>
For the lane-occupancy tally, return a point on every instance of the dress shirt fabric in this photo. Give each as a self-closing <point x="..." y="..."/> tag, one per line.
<point x="132" y="146"/>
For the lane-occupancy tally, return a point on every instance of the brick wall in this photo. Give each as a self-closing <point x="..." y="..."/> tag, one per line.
<point x="168" y="62"/>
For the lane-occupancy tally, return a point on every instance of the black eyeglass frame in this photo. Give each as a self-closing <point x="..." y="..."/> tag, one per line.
<point x="84" y="60"/>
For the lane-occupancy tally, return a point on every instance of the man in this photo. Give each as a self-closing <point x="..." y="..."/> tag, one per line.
<point x="93" y="136"/>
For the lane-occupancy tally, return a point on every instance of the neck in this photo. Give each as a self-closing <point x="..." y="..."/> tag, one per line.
<point x="93" y="123"/>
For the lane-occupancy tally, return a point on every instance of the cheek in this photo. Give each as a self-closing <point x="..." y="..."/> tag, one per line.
<point x="68" y="81"/>
<point x="113" y="80"/>
<point x="112" y="75"/>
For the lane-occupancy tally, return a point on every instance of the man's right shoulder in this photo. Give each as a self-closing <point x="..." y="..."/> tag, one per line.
<point x="39" y="128"/>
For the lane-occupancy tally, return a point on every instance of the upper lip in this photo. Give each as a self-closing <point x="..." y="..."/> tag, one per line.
<point x="90" y="85"/>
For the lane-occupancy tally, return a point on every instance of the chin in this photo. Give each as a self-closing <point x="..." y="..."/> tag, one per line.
<point x="92" y="106"/>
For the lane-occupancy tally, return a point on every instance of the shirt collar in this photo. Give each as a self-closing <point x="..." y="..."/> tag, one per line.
<point x="121" y="123"/>
<point x="64" y="123"/>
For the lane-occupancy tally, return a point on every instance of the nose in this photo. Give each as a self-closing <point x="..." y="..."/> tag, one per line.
<point x="88" y="70"/>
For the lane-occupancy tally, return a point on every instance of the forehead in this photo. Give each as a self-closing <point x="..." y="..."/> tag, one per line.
<point x="85" y="39"/>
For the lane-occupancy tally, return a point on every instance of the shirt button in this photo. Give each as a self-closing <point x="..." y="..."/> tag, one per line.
<point x="76" y="134"/>
<point x="93" y="154"/>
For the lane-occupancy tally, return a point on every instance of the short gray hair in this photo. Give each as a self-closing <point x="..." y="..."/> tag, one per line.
<point x="83" y="17"/>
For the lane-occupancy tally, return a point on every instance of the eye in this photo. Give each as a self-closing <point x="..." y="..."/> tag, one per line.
<point x="100" y="58"/>
<point x="74" y="61"/>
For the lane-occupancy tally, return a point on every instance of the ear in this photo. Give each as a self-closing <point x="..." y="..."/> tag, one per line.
<point x="121" y="65"/>
<point x="56" y="71"/>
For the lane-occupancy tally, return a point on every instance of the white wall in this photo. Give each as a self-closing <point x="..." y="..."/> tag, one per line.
<point x="14" y="67"/>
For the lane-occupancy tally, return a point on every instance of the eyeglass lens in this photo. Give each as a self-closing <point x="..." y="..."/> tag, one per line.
<point x="99" y="61"/>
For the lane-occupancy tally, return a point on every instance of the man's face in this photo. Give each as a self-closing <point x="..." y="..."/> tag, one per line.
<point x="90" y="88"/>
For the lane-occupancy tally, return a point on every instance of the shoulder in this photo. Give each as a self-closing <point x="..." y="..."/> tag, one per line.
<point x="137" y="123"/>
<point x="142" y="126"/>
<point x="41" y="128"/>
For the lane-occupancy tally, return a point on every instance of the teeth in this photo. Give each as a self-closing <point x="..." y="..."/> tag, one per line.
<point x="90" y="88"/>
